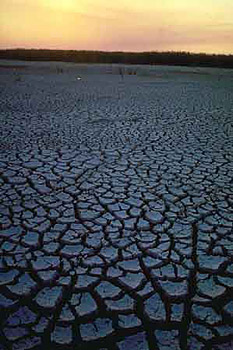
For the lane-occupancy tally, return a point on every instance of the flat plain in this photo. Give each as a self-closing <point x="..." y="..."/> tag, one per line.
<point x="116" y="207"/>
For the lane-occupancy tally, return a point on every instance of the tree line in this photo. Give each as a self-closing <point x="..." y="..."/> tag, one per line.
<point x="151" y="58"/>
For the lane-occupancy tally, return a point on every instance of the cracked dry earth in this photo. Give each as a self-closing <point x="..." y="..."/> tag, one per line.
<point x="116" y="209"/>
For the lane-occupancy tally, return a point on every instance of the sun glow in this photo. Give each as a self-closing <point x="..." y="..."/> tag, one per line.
<point x="67" y="5"/>
<point x="129" y="25"/>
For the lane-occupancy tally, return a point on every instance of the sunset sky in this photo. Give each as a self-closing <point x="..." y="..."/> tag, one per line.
<point x="127" y="25"/>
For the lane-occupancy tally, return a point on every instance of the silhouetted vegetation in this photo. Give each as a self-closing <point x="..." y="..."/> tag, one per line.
<point x="152" y="58"/>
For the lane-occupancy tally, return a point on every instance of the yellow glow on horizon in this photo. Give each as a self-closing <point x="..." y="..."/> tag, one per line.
<point x="127" y="25"/>
<point x="64" y="5"/>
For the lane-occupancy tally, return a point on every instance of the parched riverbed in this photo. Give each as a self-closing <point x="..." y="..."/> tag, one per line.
<point x="116" y="207"/>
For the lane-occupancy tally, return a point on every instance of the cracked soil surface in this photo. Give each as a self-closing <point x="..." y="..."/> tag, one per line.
<point x="116" y="208"/>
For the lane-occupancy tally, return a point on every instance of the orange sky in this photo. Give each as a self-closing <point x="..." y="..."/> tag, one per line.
<point x="127" y="25"/>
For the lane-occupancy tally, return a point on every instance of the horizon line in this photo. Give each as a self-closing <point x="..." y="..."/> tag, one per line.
<point x="119" y="51"/>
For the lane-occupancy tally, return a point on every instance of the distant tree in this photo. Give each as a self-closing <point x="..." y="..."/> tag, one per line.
<point x="151" y="58"/>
